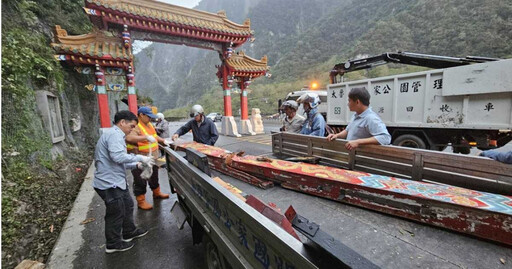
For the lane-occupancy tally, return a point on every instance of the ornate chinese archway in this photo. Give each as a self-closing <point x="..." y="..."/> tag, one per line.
<point x="98" y="53"/>
<point x="128" y="20"/>
<point x="241" y="69"/>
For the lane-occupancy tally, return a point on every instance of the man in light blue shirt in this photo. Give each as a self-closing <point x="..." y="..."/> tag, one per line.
<point x="111" y="161"/>
<point x="504" y="157"/>
<point x="366" y="127"/>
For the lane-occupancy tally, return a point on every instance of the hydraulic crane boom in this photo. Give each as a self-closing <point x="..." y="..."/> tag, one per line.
<point x="426" y="60"/>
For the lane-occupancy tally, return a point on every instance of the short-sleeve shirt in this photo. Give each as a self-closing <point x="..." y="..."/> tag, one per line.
<point x="368" y="124"/>
<point x="294" y="125"/>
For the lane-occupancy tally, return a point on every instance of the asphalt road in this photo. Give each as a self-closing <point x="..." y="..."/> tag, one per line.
<point x="164" y="247"/>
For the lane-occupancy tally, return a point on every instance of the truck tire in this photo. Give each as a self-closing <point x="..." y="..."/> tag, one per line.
<point x="410" y="141"/>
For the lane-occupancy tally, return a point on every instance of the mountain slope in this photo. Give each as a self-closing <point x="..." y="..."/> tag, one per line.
<point x="304" y="39"/>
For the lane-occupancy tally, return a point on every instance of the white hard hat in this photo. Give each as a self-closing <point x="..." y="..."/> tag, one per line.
<point x="311" y="98"/>
<point x="291" y="104"/>
<point x="196" y="110"/>
<point x="160" y="116"/>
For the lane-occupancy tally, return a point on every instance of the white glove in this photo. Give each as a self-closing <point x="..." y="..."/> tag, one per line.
<point x="151" y="138"/>
<point x="140" y="165"/>
<point x="167" y="141"/>
<point x="148" y="160"/>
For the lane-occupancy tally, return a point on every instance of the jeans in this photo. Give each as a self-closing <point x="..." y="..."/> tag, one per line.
<point x="118" y="215"/>
<point x="139" y="184"/>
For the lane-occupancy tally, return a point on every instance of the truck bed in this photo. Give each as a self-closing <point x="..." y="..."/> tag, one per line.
<point x="389" y="242"/>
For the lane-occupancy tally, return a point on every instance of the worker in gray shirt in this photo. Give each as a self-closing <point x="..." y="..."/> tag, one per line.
<point x="162" y="126"/>
<point x="111" y="160"/>
<point x="203" y="129"/>
<point x="366" y="127"/>
<point x="292" y="123"/>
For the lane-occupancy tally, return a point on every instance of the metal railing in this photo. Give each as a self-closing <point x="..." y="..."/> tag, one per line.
<point x="470" y="172"/>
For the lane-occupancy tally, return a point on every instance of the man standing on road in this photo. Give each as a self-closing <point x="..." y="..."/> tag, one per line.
<point x="203" y="129"/>
<point x="315" y="122"/>
<point x="162" y="126"/>
<point x="111" y="161"/>
<point x="144" y="140"/>
<point x="292" y="123"/>
<point x="366" y="127"/>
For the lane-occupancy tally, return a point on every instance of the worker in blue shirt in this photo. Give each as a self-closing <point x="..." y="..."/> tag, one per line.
<point x="315" y="122"/>
<point x="366" y="127"/>
<point x="111" y="161"/>
<point x="504" y="157"/>
<point x="203" y="129"/>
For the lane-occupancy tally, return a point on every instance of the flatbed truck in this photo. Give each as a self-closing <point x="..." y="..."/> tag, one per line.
<point x="386" y="242"/>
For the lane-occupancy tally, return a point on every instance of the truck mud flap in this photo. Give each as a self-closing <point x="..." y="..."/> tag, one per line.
<point x="178" y="214"/>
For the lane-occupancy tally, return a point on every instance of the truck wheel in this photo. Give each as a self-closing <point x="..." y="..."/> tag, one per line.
<point x="213" y="259"/>
<point x="410" y="141"/>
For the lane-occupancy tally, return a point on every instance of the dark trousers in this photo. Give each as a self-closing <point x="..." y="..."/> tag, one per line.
<point x="119" y="214"/>
<point x="139" y="184"/>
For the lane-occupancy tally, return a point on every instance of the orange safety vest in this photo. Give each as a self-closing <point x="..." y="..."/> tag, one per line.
<point x="146" y="145"/>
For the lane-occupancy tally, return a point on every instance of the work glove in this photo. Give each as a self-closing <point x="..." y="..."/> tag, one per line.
<point x="151" y="138"/>
<point x="167" y="142"/>
<point x="174" y="137"/>
<point x="140" y="165"/>
<point x="148" y="160"/>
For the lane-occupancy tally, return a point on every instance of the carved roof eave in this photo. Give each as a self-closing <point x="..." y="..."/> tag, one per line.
<point x="80" y="60"/>
<point x="242" y="65"/>
<point x="167" y="13"/>
<point x="85" y="49"/>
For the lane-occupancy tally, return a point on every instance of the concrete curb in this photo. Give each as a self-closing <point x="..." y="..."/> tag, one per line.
<point x="70" y="239"/>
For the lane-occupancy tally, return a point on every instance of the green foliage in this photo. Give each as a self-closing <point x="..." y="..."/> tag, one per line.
<point x="28" y="170"/>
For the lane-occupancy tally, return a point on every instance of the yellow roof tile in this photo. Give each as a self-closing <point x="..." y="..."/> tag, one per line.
<point x="181" y="15"/>
<point x="94" y="44"/>
<point x="241" y="62"/>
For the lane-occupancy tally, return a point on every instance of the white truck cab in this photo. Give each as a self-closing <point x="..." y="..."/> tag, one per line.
<point x="322" y="108"/>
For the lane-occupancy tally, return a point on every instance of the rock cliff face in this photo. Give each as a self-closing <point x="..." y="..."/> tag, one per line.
<point x="175" y="76"/>
<point x="41" y="175"/>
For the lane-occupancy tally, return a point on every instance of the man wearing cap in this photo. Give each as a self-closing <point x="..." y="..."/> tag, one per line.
<point x="292" y="123"/>
<point x="144" y="140"/>
<point x="203" y="129"/>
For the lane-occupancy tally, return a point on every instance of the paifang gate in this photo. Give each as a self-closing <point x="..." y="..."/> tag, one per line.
<point x="107" y="50"/>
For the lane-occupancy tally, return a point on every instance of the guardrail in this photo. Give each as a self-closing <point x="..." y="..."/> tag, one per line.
<point x="470" y="172"/>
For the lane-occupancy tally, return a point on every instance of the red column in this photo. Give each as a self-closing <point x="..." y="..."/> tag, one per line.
<point x="102" y="98"/>
<point x="243" y="101"/>
<point x="132" y="97"/>
<point x="226" y="90"/>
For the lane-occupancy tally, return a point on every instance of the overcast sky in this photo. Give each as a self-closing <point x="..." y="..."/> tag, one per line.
<point x="183" y="3"/>
<point x="139" y="45"/>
